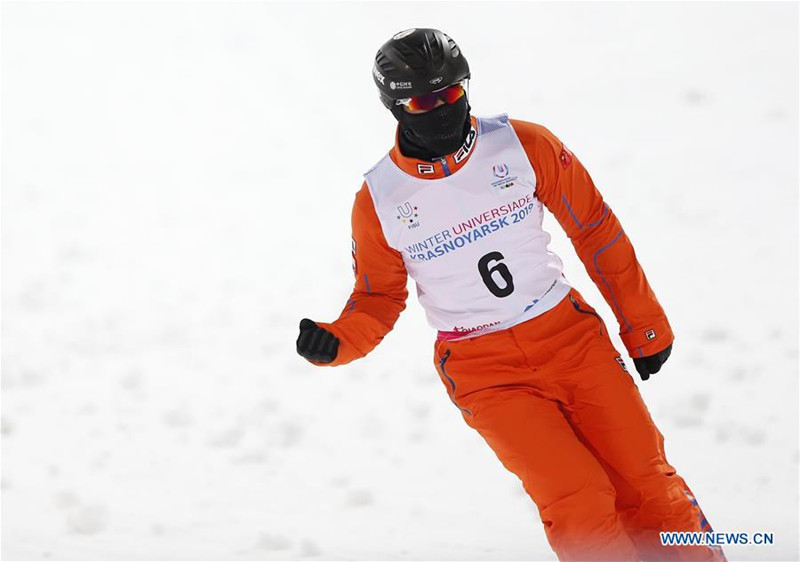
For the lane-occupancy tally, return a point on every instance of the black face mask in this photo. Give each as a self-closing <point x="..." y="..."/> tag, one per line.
<point x="435" y="133"/>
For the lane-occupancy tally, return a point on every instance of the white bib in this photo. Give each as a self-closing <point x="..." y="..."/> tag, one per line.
<point x="472" y="241"/>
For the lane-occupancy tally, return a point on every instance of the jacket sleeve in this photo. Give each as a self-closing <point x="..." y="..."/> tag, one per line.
<point x="380" y="290"/>
<point x="563" y="185"/>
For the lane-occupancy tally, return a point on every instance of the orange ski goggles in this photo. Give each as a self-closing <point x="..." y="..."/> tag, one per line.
<point x="426" y="102"/>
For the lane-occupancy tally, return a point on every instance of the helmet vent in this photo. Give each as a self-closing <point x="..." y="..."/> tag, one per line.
<point x="436" y="51"/>
<point x="454" y="50"/>
<point x="384" y="64"/>
<point x="412" y="57"/>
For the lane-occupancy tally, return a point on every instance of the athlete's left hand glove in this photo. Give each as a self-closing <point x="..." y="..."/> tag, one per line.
<point x="651" y="364"/>
<point x="316" y="343"/>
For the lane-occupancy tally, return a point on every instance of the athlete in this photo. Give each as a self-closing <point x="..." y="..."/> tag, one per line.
<point x="457" y="204"/>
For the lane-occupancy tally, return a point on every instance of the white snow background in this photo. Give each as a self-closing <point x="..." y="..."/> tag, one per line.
<point x="177" y="185"/>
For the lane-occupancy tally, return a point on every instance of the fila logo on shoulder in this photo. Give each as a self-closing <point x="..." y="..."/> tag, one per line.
<point x="650" y="334"/>
<point x="425" y="168"/>
<point x="466" y="148"/>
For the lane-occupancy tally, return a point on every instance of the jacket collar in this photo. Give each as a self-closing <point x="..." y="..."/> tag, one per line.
<point x="439" y="168"/>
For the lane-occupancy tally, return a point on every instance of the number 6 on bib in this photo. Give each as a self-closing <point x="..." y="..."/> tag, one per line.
<point x="501" y="268"/>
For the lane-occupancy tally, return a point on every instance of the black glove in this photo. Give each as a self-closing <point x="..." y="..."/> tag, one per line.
<point x="651" y="364"/>
<point x="315" y="343"/>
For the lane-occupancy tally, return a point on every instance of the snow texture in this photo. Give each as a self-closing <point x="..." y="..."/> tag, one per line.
<point x="177" y="185"/>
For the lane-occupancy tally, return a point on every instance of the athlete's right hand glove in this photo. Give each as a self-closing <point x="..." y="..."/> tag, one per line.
<point x="315" y="343"/>
<point x="651" y="364"/>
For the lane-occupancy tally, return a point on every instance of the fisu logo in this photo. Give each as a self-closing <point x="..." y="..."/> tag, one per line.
<point x="407" y="214"/>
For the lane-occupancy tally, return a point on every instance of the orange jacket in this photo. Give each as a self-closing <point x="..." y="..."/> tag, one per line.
<point x="565" y="188"/>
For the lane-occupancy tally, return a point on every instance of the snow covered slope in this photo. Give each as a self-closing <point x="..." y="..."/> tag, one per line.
<point x="177" y="183"/>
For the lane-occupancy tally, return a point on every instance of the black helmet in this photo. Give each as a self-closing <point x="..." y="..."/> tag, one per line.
<point x="415" y="62"/>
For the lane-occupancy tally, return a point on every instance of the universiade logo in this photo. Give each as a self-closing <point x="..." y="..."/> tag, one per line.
<point x="500" y="171"/>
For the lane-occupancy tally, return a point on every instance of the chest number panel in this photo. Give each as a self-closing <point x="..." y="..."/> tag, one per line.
<point x="499" y="267"/>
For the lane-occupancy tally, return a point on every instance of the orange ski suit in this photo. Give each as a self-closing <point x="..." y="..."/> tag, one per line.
<point x="552" y="396"/>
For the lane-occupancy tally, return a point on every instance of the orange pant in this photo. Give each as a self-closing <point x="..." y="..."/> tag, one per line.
<point x="551" y="398"/>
